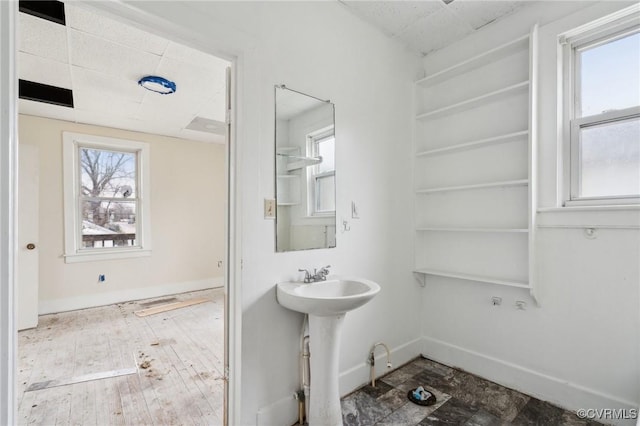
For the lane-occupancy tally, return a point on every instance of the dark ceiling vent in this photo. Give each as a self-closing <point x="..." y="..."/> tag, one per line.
<point x="447" y="1"/>
<point x="32" y="91"/>
<point x="50" y="10"/>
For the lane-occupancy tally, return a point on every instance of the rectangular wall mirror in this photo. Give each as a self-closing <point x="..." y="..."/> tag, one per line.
<point x="305" y="171"/>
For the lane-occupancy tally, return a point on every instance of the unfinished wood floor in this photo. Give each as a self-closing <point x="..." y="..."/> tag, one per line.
<point x="183" y="350"/>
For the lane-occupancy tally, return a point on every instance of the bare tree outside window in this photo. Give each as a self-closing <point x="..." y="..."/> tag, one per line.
<point x="108" y="197"/>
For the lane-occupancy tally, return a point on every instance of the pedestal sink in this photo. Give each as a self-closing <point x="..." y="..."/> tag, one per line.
<point x="327" y="303"/>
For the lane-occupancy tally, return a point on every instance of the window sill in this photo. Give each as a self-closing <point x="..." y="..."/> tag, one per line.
<point x="574" y="209"/>
<point x="106" y="255"/>
<point x="622" y="216"/>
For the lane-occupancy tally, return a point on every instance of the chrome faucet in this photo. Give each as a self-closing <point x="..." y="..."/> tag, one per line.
<point x="320" y="275"/>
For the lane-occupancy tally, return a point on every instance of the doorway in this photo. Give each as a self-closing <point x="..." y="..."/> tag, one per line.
<point x="103" y="372"/>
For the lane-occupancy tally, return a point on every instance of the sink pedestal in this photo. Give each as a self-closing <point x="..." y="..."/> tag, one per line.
<point x="324" y="347"/>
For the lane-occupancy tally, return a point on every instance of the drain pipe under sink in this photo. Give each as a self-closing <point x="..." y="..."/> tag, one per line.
<point x="302" y="395"/>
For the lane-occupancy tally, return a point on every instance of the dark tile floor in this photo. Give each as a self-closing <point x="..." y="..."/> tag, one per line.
<point x="462" y="399"/>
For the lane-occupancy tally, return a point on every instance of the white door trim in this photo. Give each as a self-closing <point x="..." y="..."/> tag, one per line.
<point x="8" y="193"/>
<point x="8" y="201"/>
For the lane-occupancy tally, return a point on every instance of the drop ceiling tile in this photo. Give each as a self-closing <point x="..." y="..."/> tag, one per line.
<point x="43" y="70"/>
<point x="161" y="108"/>
<point x="478" y="14"/>
<point x="40" y="109"/>
<point x="435" y="31"/>
<point x="100" y="84"/>
<point x="97" y="54"/>
<point x="43" y="38"/>
<point x="195" y="57"/>
<point x="213" y="108"/>
<point x="393" y="16"/>
<point x="105" y="102"/>
<point x="193" y="84"/>
<point x="114" y="31"/>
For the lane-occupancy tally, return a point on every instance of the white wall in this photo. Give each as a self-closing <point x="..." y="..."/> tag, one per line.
<point x="318" y="48"/>
<point x="187" y="219"/>
<point x="580" y="347"/>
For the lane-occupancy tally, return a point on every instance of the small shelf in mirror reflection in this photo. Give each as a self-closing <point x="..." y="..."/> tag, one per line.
<point x="296" y="162"/>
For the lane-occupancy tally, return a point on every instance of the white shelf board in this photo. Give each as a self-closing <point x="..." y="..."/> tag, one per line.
<point x="470" y="277"/>
<point x="474" y="102"/>
<point x="288" y="176"/>
<point x="475" y="62"/>
<point x="462" y="229"/>
<point x="519" y="182"/>
<point x="495" y="140"/>
<point x="287" y="204"/>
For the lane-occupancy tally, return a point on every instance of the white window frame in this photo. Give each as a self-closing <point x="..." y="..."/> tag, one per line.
<point x="312" y="150"/>
<point x="72" y="143"/>
<point x="599" y="32"/>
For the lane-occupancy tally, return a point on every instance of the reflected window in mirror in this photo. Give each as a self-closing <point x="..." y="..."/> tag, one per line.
<point x="322" y="176"/>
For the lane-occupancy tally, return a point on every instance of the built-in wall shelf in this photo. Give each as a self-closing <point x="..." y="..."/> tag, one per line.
<point x="519" y="182"/>
<point x="464" y="229"/>
<point x="471" y="277"/>
<point x="495" y="140"/>
<point x="288" y="176"/>
<point x="477" y="61"/>
<point x="475" y="102"/>
<point x="497" y="94"/>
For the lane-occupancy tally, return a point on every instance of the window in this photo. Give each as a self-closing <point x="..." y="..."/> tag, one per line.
<point x="106" y="204"/>
<point x="602" y="113"/>
<point x="322" y="178"/>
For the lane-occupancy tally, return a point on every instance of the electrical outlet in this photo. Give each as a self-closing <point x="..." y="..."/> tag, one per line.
<point x="219" y="263"/>
<point x="496" y="301"/>
<point x="269" y="208"/>
<point x="521" y="305"/>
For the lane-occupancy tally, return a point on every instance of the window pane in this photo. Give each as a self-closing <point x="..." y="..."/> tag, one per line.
<point x="610" y="76"/>
<point x="107" y="173"/>
<point x="326" y="149"/>
<point x="610" y="159"/>
<point x="326" y="193"/>
<point x="108" y="223"/>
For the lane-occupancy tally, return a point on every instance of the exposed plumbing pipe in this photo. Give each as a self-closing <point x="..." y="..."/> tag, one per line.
<point x="305" y="378"/>
<point x="372" y="361"/>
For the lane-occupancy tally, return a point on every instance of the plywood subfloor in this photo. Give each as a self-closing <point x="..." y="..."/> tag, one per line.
<point x="182" y="349"/>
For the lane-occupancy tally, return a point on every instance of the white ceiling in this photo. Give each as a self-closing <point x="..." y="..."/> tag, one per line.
<point x="101" y="60"/>
<point x="428" y="25"/>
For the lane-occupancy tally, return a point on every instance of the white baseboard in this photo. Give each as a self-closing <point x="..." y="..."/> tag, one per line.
<point x="101" y="299"/>
<point x="555" y="390"/>
<point x="285" y="410"/>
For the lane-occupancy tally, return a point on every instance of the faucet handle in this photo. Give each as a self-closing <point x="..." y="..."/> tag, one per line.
<point x="323" y="272"/>
<point x="307" y="275"/>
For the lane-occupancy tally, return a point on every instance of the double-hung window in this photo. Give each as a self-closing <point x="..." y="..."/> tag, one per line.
<point x="601" y="67"/>
<point x="106" y="198"/>
<point x="322" y="175"/>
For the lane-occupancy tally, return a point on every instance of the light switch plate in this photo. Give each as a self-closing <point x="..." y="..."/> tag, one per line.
<point x="269" y="208"/>
<point x="354" y="211"/>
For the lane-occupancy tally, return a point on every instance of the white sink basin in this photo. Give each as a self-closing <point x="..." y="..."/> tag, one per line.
<point x="335" y="296"/>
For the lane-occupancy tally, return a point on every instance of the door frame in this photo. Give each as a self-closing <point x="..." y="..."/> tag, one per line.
<point x="8" y="193"/>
